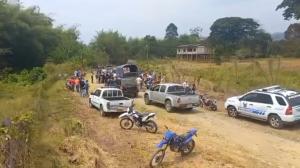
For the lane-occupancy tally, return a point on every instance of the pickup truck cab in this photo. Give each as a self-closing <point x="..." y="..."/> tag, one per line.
<point x="274" y="104"/>
<point x="172" y="96"/>
<point x="109" y="100"/>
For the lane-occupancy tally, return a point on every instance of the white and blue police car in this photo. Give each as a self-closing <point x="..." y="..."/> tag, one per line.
<point x="277" y="105"/>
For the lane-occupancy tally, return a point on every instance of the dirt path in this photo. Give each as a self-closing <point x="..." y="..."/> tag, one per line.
<point x="221" y="141"/>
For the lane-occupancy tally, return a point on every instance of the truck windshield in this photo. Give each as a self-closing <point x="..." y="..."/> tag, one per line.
<point x="176" y="89"/>
<point x="294" y="100"/>
<point x="112" y="93"/>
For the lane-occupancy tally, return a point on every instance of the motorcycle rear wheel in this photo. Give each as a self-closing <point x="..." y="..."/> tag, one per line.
<point x="188" y="148"/>
<point x="126" y="123"/>
<point x="151" y="126"/>
<point x="157" y="158"/>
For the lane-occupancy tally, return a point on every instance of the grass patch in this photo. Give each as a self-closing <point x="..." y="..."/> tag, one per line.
<point x="231" y="77"/>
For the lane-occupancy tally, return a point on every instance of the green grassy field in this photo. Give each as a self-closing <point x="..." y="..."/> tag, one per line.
<point x="230" y="77"/>
<point x="52" y="113"/>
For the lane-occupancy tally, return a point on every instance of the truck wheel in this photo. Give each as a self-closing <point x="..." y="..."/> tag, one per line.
<point x="168" y="106"/>
<point x="102" y="112"/>
<point x="147" y="100"/>
<point x="275" y="121"/>
<point x="232" y="112"/>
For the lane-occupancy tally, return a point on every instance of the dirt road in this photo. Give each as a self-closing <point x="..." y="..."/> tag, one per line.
<point x="221" y="141"/>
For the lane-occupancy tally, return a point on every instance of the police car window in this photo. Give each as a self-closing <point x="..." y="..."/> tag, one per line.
<point x="162" y="89"/>
<point x="156" y="88"/>
<point x="250" y="97"/>
<point x="280" y="101"/>
<point x="263" y="98"/>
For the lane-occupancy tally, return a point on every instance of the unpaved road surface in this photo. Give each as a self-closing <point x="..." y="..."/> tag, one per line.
<point x="222" y="141"/>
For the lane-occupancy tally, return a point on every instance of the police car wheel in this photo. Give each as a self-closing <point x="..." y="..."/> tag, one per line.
<point x="232" y="112"/>
<point x="275" y="121"/>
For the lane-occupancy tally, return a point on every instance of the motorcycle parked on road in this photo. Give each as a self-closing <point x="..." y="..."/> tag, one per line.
<point x="132" y="117"/>
<point x="177" y="143"/>
<point x="205" y="102"/>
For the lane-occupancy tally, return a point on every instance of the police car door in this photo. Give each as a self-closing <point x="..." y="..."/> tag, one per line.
<point x="246" y="106"/>
<point x="261" y="106"/>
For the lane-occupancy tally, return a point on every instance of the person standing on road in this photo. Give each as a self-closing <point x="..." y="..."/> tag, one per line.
<point x="194" y="88"/>
<point x="139" y="82"/>
<point x="77" y="84"/>
<point x="92" y="77"/>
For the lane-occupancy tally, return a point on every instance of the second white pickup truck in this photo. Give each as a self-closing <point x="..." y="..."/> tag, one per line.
<point x="109" y="100"/>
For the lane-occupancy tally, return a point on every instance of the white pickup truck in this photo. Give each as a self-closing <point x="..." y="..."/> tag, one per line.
<point x="109" y="100"/>
<point x="172" y="96"/>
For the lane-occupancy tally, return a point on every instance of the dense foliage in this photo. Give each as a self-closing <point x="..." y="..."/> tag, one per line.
<point x="291" y="9"/>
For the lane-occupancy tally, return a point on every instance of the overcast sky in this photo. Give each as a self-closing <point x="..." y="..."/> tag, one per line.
<point x="137" y="18"/>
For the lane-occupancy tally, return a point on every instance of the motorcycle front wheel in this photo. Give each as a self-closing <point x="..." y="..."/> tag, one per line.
<point x="157" y="158"/>
<point x="188" y="148"/>
<point x="126" y="123"/>
<point x="151" y="126"/>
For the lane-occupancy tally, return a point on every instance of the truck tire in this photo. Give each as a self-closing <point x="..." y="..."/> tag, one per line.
<point x="232" y="112"/>
<point x="275" y="121"/>
<point x="102" y="112"/>
<point x="147" y="100"/>
<point x="168" y="106"/>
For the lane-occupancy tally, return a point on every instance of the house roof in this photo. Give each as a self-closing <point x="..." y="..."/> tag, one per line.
<point x="190" y="45"/>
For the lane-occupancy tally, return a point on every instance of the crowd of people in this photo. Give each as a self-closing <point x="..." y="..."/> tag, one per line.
<point x="77" y="83"/>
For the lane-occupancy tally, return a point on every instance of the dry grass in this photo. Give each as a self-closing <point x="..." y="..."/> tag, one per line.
<point x="231" y="77"/>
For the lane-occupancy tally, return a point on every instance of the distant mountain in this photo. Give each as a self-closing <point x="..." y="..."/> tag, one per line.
<point x="278" y="36"/>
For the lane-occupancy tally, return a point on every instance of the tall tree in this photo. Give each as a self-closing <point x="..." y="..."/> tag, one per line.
<point x="113" y="44"/>
<point x="228" y="33"/>
<point x="291" y="9"/>
<point x="171" y="31"/>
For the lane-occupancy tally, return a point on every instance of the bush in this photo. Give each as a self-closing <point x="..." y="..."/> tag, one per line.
<point x="26" y="77"/>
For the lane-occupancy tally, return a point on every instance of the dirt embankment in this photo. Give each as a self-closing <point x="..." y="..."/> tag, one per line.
<point x="221" y="141"/>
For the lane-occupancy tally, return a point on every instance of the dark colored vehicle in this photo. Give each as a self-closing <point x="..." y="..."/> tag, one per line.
<point x="127" y="85"/>
<point x="126" y="79"/>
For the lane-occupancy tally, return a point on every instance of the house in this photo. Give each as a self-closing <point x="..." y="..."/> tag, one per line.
<point x="194" y="52"/>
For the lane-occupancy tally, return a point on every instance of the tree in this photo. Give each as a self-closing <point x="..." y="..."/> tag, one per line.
<point x="228" y="33"/>
<point x="291" y="9"/>
<point x="293" y="32"/>
<point x="113" y="44"/>
<point x="196" y="32"/>
<point x="171" y="31"/>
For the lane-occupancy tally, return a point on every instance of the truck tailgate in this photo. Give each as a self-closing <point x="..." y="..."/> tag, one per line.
<point x="120" y="105"/>
<point x="189" y="99"/>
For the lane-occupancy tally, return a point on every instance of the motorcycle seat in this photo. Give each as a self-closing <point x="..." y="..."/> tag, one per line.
<point x="142" y="114"/>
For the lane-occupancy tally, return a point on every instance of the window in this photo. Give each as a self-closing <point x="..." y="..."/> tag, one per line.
<point x="176" y="89"/>
<point x="115" y="93"/>
<point x="120" y="93"/>
<point x="162" y="89"/>
<point x="294" y="101"/>
<point x="104" y="94"/>
<point x="97" y="93"/>
<point x="249" y="97"/>
<point x="156" y="88"/>
<point x="280" y="101"/>
<point x="264" y="98"/>
<point x="109" y="93"/>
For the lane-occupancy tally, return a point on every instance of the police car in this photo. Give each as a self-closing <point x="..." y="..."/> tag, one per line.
<point x="274" y="104"/>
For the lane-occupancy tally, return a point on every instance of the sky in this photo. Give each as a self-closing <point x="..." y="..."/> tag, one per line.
<point x="138" y="18"/>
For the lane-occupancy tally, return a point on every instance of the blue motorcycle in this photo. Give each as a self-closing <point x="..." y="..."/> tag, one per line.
<point x="177" y="143"/>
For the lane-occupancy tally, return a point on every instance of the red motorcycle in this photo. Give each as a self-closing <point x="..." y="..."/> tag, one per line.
<point x="205" y="102"/>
